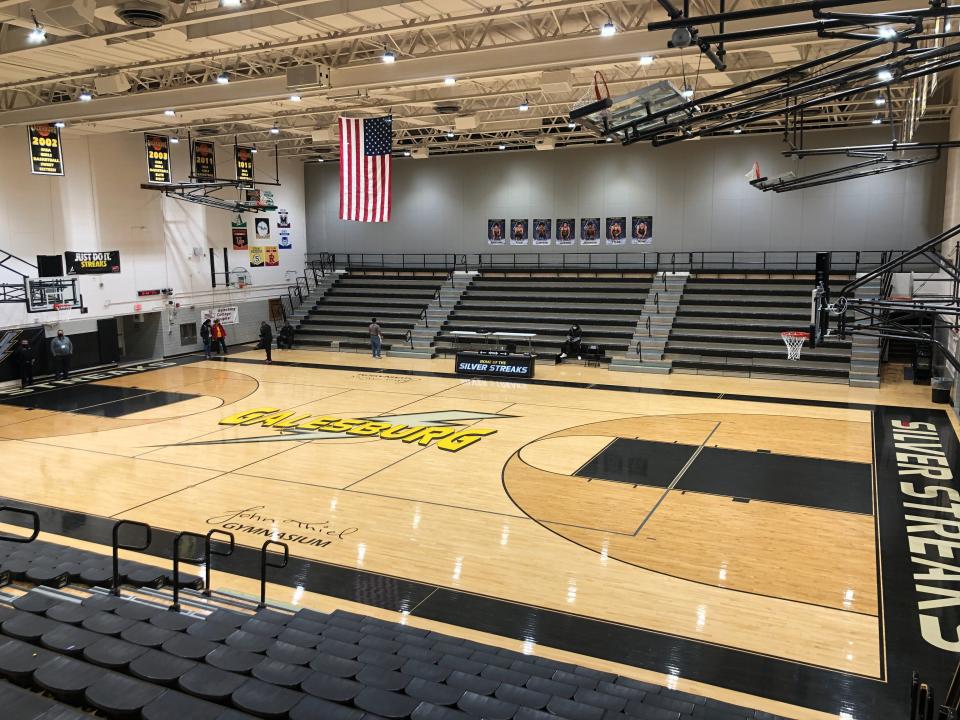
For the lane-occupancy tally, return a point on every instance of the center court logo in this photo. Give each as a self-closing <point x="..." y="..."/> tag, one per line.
<point x="443" y="429"/>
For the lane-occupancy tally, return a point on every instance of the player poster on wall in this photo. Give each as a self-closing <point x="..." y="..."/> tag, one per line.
<point x="566" y="231"/>
<point x="271" y="256"/>
<point x="262" y="227"/>
<point x="238" y="231"/>
<point x="283" y="221"/>
<point x="519" y="232"/>
<point x="541" y="231"/>
<point x="495" y="231"/>
<point x="590" y="231"/>
<point x="285" y="243"/>
<point x="616" y="231"/>
<point x="641" y="230"/>
<point x="256" y="256"/>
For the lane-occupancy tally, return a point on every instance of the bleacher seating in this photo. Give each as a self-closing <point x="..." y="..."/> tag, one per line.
<point x="731" y="325"/>
<point x="343" y="314"/>
<point x="605" y="304"/>
<point x="67" y="652"/>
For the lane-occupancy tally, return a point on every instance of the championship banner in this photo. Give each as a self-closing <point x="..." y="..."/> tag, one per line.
<point x="590" y="231"/>
<point x="616" y="231"/>
<point x="256" y="256"/>
<point x="271" y="256"/>
<point x="541" y="231"/>
<point x="204" y="160"/>
<point x="238" y="233"/>
<point x="227" y="315"/>
<point x="641" y="230"/>
<point x="46" y="152"/>
<point x="158" y="159"/>
<point x="495" y="233"/>
<point x="92" y="263"/>
<point x="243" y="160"/>
<point x="566" y="231"/>
<point x="519" y="232"/>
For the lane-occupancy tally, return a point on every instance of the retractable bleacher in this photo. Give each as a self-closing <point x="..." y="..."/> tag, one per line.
<point x="69" y="650"/>
<point x="342" y="316"/>
<point x="606" y="305"/>
<point x="731" y="325"/>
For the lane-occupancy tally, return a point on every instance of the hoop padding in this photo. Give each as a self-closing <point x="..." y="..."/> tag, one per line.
<point x="794" y="342"/>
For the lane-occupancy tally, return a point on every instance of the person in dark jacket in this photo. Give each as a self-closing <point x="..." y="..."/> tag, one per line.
<point x="62" y="350"/>
<point x="26" y="360"/>
<point x="285" y="337"/>
<point x="205" y="338"/>
<point x="266" y="339"/>
<point x="572" y="344"/>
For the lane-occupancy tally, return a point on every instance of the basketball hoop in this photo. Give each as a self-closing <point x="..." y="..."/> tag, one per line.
<point x="794" y="342"/>
<point x="753" y="173"/>
<point x="61" y="306"/>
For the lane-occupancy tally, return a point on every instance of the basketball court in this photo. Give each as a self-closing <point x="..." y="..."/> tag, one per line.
<point x="725" y="537"/>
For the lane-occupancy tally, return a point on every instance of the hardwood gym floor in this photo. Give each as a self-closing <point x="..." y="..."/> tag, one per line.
<point x="743" y="536"/>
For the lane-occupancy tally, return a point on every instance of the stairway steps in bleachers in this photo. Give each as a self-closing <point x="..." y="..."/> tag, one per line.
<point x="350" y="331"/>
<point x="746" y="301"/>
<point x="744" y="337"/>
<point x="701" y="311"/>
<point x="516" y="296"/>
<point x="322" y="314"/>
<point x="820" y="355"/>
<point x="389" y="283"/>
<point x="564" y="287"/>
<point x="559" y="306"/>
<point x="539" y="329"/>
<point x="372" y="301"/>
<point x="469" y="317"/>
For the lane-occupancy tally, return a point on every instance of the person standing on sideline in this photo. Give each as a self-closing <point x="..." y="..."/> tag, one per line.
<point x="62" y="350"/>
<point x="205" y="337"/>
<point x="376" y="337"/>
<point x="219" y="334"/>
<point x="266" y="339"/>
<point x="26" y="359"/>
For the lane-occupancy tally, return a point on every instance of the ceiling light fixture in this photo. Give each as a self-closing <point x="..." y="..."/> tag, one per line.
<point x="948" y="27"/>
<point x="449" y="81"/>
<point x="880" y="101"/>
<point x="253" y="150"/>
<point x="320" y="160"/>
<point x="274" y="130"/>
<point x="170" y="113"/>
<point x="646" y="60"/>
<point x="388" y="56"/>
<point x="295" y="98"/>
<point x="877" y="120"/>
<point x="174" y="140"/>
<point x="84" y="96"/>
<point x="609" y="139"/>
<point x="450" y="134"/>
<point x="887" y="32"/>
<point x="60" y="124"/>
<point x="502" y="146"/>
<point x="223" y="78"/>
<point x="406" y="153"/>
<point x="572" y="126"/>
<point x="687" y="92"/>
<point x="885" y="75"/>
<point x="38" y="34"/>
<point x="608" y="29"/>
<point x="230" y="3"/>
<point x="524" y="106"/>
<point x="737" y="130"/>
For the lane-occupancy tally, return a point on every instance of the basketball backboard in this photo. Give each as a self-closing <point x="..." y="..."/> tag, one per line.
<point x="49" y="294"/>
<point x="604" y="113"/>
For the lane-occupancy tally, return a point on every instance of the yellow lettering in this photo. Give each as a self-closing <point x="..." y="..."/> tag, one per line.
<point x="240" y="418"/>
<point x="427" y="435"/>
<point x="464" y="438"/>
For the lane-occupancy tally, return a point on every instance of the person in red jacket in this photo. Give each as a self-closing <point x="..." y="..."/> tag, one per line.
<point x="219" y="335"/>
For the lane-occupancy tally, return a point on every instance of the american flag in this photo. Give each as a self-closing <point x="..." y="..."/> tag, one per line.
<point x="365" y="145"/>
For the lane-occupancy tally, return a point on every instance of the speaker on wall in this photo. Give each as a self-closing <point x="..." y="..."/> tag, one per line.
<point x="50" y="265"/>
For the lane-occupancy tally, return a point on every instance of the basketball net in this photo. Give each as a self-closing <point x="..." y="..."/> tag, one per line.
<point x="754" y="172"/>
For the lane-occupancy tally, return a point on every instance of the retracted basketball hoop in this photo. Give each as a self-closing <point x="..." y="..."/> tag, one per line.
<point x="794" y="342"/>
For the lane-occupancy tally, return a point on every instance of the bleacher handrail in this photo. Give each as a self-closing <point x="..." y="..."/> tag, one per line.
<point x="177" y="558"/>
<point x="115" y="580"/>
<point x="209" y="552"/>
<point x="35" y="530"/>
<point x="264" y="564"/>
<point x="843" y="261"/>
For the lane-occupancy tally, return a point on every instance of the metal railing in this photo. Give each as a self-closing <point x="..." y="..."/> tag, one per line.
<point x="842" y="261"/>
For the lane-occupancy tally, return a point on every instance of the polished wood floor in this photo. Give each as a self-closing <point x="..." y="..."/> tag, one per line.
<point x="511" y="515"/>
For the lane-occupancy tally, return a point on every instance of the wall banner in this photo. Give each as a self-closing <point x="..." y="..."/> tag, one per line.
<point x="46" y="152"/>
<point x="204" y="160"/>
<point x="285" y="242"/>
<point x="256" y="256"/>
<point x="271" y="256"/>
<point x="519" y="232"/>
<point x="541" y="231"/>
<point x="262" y="227"/>
<point x="616" y="231"/>
<point x="227" y="315"/>
<point x="158" y="159"/>
<point x="243" y="161"/>
<point x="238" y="233"/>
<point x="566" y="231"/>
<point x="641" y="230"/>
<point x="283" y="221"/>
<point x="590" y="231"/>
<point x="495" y="231"/>
<point x="92" y="263"/>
